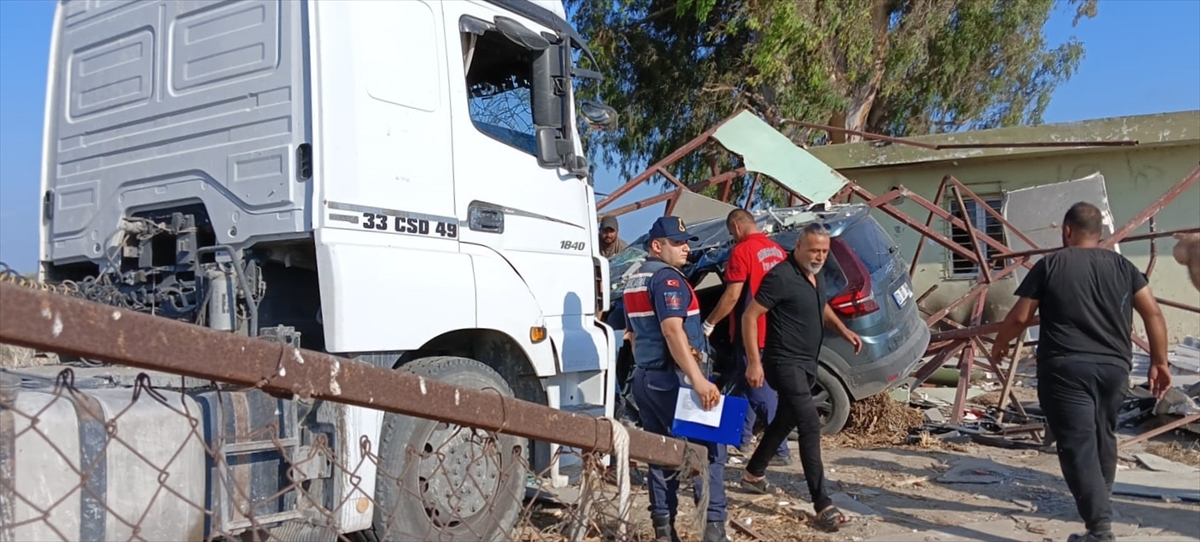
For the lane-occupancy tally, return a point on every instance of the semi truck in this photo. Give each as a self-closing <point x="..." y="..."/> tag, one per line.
<point x="399" y="183"/>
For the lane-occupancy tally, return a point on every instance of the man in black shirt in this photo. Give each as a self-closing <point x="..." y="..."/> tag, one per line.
<point x="792" y="295"/>
<point x="1086" y="296"/>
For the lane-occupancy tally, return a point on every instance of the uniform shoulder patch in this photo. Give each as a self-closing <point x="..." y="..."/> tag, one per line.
<point x="673" y="300"/>
<point x="672" y="283"/>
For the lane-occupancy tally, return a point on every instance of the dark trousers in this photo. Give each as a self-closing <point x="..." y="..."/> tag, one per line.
<point x="763" y="401"/>
<point x="796" y="410"/>
<point x="656" y="393"/>
<point x="626" y="405"/>
<point x="1080" y="399"/>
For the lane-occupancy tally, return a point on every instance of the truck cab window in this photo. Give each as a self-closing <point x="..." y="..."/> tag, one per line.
<point x="499" y="89"/>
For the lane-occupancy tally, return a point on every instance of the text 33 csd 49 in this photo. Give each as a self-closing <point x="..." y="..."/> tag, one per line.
<point x="418" y="226"/>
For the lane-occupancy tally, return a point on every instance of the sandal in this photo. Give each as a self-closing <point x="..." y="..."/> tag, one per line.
<point x="831" y="519"/>
<point x="761" y="486"/>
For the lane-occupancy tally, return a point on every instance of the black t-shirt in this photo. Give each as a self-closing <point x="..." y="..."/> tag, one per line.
<point x="1085" y="299"/>
<point x="795" y="317"/>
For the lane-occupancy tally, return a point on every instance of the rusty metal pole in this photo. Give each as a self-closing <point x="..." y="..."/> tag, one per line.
<point x="750" y="193"/>
<point x="1127" y="239"/>
<point x="1152" y="209"/>
<point x="937" y="200"/>
<point x="994" y="213"/>
<point x="722" y="178"/>
<point x="57" y="323"/>
<point x="662" y="165"/>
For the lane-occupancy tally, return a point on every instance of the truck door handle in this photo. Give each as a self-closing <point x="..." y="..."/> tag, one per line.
<point x="485" y="219"/>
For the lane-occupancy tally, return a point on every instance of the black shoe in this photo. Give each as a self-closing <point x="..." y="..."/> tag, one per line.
<point x="1092" y="537"/>
<point x="714" y="531"/>
<point x="664" y="529"/>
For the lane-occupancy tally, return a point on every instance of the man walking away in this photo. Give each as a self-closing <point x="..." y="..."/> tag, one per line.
<point x="792" y="295"/>
<point x="1086" y="296"/>
<point x="610" y="243"/>
<point x="751" y="258"/>
<point x="663" y="319"/>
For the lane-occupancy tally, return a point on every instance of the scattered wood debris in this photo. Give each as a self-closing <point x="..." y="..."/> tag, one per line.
<point x="877" y="421"/>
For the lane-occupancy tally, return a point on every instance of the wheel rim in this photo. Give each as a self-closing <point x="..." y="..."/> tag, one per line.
<point x="824" y="402"/>
<point x="458" y="474"/>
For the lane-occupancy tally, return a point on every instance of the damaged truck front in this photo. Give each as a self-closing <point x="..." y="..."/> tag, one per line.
<point x="401" y="183"/>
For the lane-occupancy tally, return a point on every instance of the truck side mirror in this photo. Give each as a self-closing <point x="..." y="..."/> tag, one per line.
<point x="598" y="115"/>
<point x="549" y="101"/>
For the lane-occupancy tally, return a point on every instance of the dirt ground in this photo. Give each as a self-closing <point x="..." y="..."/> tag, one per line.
<point x="898" y="494"/>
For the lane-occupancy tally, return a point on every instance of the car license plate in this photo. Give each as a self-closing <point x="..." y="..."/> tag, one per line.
<point x="902" y="295"/>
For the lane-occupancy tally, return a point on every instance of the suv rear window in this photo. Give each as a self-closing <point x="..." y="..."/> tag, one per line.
<point x="872" y="245"/>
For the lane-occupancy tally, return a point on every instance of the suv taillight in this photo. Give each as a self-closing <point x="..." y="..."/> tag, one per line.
<point x="857" y="298"/>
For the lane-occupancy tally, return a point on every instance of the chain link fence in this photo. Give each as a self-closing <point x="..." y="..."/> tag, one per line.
<point x="122" y="452"/>
<point x="87" y="459"/>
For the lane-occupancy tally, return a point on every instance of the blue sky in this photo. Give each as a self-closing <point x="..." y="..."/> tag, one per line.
<point x="1143" y="56"/>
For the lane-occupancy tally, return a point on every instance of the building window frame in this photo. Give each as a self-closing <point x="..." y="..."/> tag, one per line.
<point x="959" y="267"/>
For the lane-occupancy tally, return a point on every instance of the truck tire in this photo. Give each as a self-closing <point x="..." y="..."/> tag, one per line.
<point x="461" y="484"/>
<point x="833" y="403"/>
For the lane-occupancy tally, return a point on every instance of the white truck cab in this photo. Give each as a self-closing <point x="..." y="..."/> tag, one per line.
<point x="398" y="182"/>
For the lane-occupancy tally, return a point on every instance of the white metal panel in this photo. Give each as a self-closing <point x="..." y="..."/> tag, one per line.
<point x="382" y="296"/>
<point x="386" y="136"/>
<point x="158" y="103"/>
<point x="50" y="479"/>
<point x="358" y="478"/>
<point x="505" y="303"/>
<point x="390" y="272"/>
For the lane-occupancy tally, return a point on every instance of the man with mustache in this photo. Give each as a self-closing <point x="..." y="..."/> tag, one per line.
<point x="792" y="295"/>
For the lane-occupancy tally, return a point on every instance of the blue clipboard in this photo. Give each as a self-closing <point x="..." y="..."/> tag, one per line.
<point x="733" y="417"/>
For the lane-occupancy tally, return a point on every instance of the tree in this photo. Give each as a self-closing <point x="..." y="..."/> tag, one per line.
<point x="674" y="68"/>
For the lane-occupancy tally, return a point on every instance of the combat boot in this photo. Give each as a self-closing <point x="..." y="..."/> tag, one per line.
<point x="714" y="531"/>
<point x="664" y="529"/>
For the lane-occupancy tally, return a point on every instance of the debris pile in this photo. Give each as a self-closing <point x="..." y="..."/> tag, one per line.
<point x="1174" y="451"/>
<point x="877" y="421"/>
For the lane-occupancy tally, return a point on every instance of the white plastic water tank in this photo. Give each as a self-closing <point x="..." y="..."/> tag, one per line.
<point x="144" y="463"/>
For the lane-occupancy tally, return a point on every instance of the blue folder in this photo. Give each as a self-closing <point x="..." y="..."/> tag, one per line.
<point x="733" y="417"/>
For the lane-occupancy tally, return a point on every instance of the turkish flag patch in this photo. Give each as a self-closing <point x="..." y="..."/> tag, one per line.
<point x="672" y="283"/>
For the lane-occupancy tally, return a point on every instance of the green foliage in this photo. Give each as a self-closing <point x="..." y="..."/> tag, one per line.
<point x="674" y="68"/>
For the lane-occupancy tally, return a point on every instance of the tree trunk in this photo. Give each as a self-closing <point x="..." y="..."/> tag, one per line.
<point x="862" y="97"/>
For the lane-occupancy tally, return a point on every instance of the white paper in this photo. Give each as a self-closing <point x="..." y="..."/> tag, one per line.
<point x="687" y="408"/>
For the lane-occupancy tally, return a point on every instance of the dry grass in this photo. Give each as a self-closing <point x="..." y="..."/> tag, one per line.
<point x="1188" y="454"/>
<point x="877" y="421"/>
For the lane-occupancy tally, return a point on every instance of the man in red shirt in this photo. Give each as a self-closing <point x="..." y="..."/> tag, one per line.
<point x="751" y="258"/>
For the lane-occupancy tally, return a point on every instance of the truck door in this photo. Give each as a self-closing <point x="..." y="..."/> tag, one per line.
<point x="536" y="218"/>
<point x="387" y="231"/>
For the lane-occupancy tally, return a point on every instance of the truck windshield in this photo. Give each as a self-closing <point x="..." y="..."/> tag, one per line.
<point x="499" y="89"/>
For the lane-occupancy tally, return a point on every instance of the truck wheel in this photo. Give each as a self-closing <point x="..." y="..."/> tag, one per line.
<point x="438" y="481"/>
<point x="833" y="403"/>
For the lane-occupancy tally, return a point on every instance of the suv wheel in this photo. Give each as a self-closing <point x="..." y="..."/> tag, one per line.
<point x="833" y="403"/>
